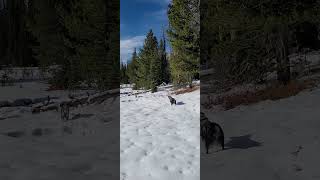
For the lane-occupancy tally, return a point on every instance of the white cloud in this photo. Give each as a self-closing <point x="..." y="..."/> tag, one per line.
<point x="127" y="46"/>
<point x="161" y="2"/>
<point x="159" y="15"/>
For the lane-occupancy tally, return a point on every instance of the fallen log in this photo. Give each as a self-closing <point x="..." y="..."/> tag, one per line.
<point x="50" y="108"/>
<point x="101" y="97"/>
<point x="74" y="103"/>
<point x="137" y="93"/>
<point x="97" y="98"/>
<point x="27" y="102"/>
<point x="46" y="107"/>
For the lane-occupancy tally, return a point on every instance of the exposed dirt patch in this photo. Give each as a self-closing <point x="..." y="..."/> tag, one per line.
<point x="272" y="92"/>
<point x="186" y="90"/>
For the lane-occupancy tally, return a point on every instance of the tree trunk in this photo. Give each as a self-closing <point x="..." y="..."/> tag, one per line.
<point x="283" y="72"/>
<point x="233" y="35"/>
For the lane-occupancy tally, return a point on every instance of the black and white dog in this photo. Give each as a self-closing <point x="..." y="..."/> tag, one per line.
<point x="172" y="100"/>
<point x="211" y="133"/>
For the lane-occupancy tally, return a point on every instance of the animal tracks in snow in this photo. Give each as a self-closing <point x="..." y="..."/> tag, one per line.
<point x="157" y="130"/>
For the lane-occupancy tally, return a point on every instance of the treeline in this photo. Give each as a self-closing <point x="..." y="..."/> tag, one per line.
<point x="80" y="36"/>
<point x="148" y="68"/>
<point x="15" y="39"/>
<point x="245" y="41"/>
<point x="184" y="36"/>
<point x="151" y="66"/>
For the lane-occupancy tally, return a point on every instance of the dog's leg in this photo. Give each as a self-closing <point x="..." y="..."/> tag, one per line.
<point x="222" y="142"/>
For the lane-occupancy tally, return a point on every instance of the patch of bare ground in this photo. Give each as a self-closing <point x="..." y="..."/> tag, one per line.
<point x="272" y="92"/>
<point x="186" y="90"/>
<point x="55" y="88"/>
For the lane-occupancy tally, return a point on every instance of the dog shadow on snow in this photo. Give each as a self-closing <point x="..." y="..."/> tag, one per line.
<point x="242" y="142"/>
<point x="180" y="103"/>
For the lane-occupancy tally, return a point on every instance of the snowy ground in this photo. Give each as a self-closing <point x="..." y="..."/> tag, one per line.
<point x="159" y="141"/>
<point x="270" y="140"/>
<point x="86" y="147"/>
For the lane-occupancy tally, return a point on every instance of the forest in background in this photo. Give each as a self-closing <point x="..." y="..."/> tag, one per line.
<point x="246" y="41"/>
<point x="152" y="65"/>
<point x="80" y="36"/>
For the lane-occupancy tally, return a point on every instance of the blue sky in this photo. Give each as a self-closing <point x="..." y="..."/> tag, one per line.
<point x="137" y="17"/>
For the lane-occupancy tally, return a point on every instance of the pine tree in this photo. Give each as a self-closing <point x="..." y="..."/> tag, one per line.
<point x="82" y="37"/>
<point x="91" y="36"/>
<point x="165" y="75"/>
<point x="132" y="67"/>
<point x="155" y="69"/>
<point x="245" y="40"/>
<point x="3" y="34"/>
<point x="123" y="74"/>
<point x="184" y="37"/>
<point x="147" y="75"/>
<point x="45" y="27"/>
<point x="19" y="52"/>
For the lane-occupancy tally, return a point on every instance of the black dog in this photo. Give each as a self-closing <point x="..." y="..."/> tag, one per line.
<point x="172" y="100"/>
<point x="211" y="132"/>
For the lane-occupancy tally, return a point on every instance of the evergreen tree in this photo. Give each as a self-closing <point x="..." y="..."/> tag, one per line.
<point x="82" y="37"/>
<point x="246" y="40"/>
<point x="132" y="67"/>
<point x="48" y="31"/>
<point x="184" y="37"/>
<point x="45" y="26"/>
<point x="3" y="35"/>
<point x="86" y="27"/>
<point x="123" y="74"/>
<point x="148" y="63"/>
<point x="19" y="52"/>
<point x="112" y="40"/>
<point x="165" y="75"/>
<point x="155" y="68"/>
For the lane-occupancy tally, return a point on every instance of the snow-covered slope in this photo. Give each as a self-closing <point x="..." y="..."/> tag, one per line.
<point x="41" y="146"/>
<point x="29" y="90"/>
<point x="270" y="140"/>
<point x="159" y="141"/>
